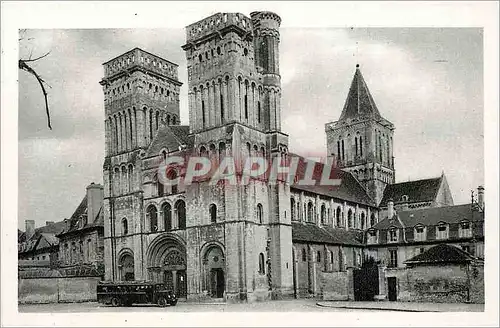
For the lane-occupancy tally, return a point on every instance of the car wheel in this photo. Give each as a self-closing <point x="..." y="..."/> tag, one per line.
<point x="115" y="301"/>
<point x="162" y="301"/>
<point x="173" y="303"/>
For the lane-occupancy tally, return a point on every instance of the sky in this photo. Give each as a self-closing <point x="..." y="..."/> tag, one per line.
<point x="427" y="81"/>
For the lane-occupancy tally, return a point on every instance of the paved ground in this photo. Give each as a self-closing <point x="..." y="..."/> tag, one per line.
<point x="405" y="306"/>
<point x="302" y="305"/>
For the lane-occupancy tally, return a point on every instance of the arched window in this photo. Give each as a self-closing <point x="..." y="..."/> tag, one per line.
<point x="167" y="216"/>
<point x="153" y="218"/>
<point x="262" y="264"/>
<point x="213" y="213"/>
<point x="260" y="213"/>
<point x="343" y="154"/>
<point x="304" y="255"/>
<point x="246" y="107"/>
<point x="372" y="220"/>
<point x="356" y="144"/>
<point x="222" y="151"/>
<point x="221" y="97"/>
<point x="124" y="227"/>
<point x="292" y="207"/>
<point x="160" y="188"/>
<point x="174" y="120"/>
<point x="157" y="117"/>
<point x="172" y="175"/>
<point x="363" y="220"/>
<point x="323" y="214"/>
<point x="168" y="119"/>
<point x="338" y="217"/>
<point x="258" y="111"/>
<point x="360" y="146"/>
<point x="310" y="212"/>
<point x="349" y="218"/>
<point x="203" y="112"/>
<point x="180" y="210"/>
<point x="318" y="256"/>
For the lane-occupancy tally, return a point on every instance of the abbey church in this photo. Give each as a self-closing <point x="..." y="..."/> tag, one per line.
<point x="256" y="241"/>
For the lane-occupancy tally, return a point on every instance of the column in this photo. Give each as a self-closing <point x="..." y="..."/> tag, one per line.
<point x="125" y="131"/>
<point x="198" y="112"/>
<point x="107" y="132"/>
<point x="119" y="128"/>
<point x="204" y="98"/>
<point x="251" y="109"/>
<point x="133" y="119"/>
<point x="192" y="110"/>
<point x="231" y="99"/>
<point x="211" y="105"/>
<point x="357" y="223"/>
<point x="278" y="110"/>
<point x="272" y="112"/>
<point x="332" y="213"/>
<point x="147" y="126"/>
<point x="344" y="216"/>
<point x="140" y="127"/>
<point x="225" y="100"/>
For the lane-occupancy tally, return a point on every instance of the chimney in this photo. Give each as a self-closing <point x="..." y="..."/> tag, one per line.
<point x="95" y="196"/>
<point x="67" y="224"/>
<point x="49" y="223"/>
<point x="390" y="208"/>
<point x="480" y="197"/>
<point x="30" y="228"/>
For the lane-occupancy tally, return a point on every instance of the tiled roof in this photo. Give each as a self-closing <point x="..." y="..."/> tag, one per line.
<point x="312" y="233"/>
<point x="81" y="211"/>
<point x="170" y="137"/>
<point x="359" y="101"/>
<point x="442" y="253"/>
<point x="433" y="215"/>
<point x="417" y="191"/>
<point x="349" y="189"/>
<point x="50" y="238"/>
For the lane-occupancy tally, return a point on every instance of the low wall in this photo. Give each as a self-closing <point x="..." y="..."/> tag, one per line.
<point x="334" y="286"/>
<point x="448" y="283"/>
<point x="57" y="290"/>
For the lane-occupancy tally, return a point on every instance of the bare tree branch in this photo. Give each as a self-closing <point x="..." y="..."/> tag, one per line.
<point x="25" y="67"/>
<point x="35" y="59"/>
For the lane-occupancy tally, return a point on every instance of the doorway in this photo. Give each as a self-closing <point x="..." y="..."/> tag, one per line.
<point x="217" y="283"/>
<point x="392" y="289"/>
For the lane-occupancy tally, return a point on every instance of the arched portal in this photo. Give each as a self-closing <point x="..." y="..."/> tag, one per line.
<point x="213" y="260"/>
<point x="126" y="267"/>
<point x="166" y="260"/>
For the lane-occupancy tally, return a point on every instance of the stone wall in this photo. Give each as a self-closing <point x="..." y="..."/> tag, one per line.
<point x="334" y="286"/>
<point x="57" y="290"/>
<point x="439" y="283"/>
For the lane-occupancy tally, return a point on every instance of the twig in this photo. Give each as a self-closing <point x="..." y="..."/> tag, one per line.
<point x="23" y="66"/>
<point x="35" y="59"/>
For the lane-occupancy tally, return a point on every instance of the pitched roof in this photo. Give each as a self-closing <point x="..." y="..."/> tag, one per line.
<point x="442" y="253"/>
<point x="81" y="211"/>
<point x="349" y="189"/>
<point x="171" y="137"/>
<point x="417" y="191"/>
<point x="359" y="100"/>
<point x="324" y="235"/>
<point x="434" y="215"/>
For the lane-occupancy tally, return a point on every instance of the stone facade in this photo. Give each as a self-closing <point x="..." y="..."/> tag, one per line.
<point x="237" y="242"/>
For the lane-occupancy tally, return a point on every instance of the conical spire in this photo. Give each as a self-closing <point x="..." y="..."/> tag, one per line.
<point x="359" y="101"/>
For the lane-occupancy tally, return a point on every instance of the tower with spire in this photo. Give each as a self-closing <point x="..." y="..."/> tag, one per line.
<point x="361" y="141"/>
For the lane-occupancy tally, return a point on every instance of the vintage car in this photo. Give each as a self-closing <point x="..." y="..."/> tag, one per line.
<point x="126" y="293"/>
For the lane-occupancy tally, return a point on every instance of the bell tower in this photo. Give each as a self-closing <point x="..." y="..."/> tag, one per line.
<point x="234" y="111"/>
<point x="141" y="92"/>
<point x="361" y="140"/>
